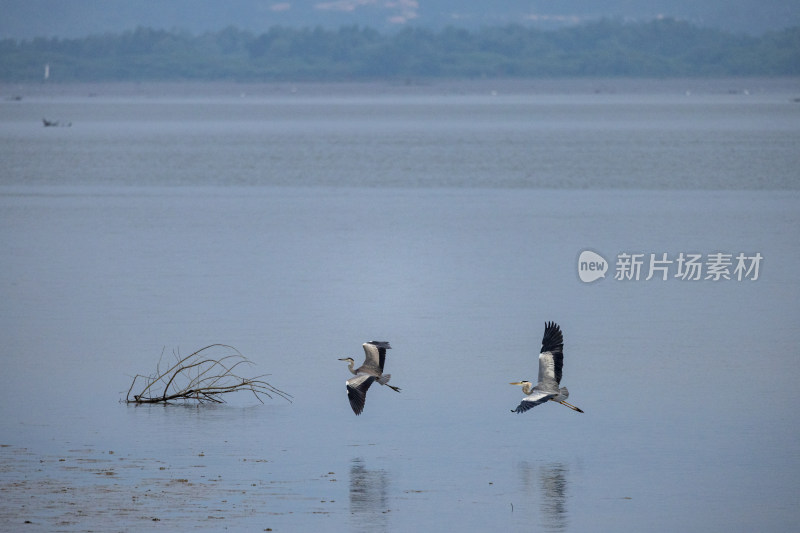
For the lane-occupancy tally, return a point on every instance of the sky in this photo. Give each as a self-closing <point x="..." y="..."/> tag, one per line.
<point x="25" y="19"/>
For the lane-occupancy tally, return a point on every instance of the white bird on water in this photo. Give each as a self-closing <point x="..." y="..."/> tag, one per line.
<point x="551" y="359"/>
<point x="371" y="370"/>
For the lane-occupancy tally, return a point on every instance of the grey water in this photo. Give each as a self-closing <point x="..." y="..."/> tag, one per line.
<point x="296" y="222"/>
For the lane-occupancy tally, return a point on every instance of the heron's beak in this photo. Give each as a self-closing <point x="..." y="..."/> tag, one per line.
<point x="516" y="383"/>
<point x="343" y="359"/>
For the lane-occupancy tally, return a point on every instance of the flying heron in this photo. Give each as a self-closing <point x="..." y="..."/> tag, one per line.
<point x="551" y="359"/>
<point x="371" y="370"/>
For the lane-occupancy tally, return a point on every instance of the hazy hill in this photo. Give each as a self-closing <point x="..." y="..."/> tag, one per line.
<point x="659" y="48"/>
<point x="79" y="18"/>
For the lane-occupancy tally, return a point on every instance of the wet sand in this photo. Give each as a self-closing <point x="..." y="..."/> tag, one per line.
<point x="100" y="490"/>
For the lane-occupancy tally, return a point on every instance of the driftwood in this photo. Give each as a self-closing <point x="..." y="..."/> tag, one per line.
<point x="201" y="377"/>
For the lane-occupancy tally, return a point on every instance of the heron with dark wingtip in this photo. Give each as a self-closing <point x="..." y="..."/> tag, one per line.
<point x="551" y="360"/>
<point x="367" y="373"/>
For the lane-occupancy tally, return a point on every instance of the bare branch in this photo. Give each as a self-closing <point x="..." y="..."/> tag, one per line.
<point x="201" y="377"/>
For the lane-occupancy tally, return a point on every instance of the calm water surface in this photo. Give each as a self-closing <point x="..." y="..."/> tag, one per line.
<point x="295" y="227"/>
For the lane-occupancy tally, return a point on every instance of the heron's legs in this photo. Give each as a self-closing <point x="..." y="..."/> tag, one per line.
<point x="562" y="402"/>
<point x="396" y="389"/>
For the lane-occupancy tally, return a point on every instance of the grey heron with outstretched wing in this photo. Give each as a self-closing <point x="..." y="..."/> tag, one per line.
<point x="366" y="374"/>
<point x="551" y="360"/>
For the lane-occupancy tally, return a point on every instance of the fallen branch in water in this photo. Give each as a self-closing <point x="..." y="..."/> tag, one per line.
<point x="202" y="378"/>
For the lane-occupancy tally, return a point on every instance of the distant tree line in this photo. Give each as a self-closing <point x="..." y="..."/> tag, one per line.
<point x="659" y="48"/>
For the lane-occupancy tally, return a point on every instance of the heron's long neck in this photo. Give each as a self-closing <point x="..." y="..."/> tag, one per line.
<point x="350" y="367"/>
<point x="527" y="388"/>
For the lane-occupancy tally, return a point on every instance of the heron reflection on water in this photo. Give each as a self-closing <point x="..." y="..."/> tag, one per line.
<point x="369" y="497"/>
<point x="549" y="484"/>
<point x="551" y="359"/>
<point x="367" y="373"/>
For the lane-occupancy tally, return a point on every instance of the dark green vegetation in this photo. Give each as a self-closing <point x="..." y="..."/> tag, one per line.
<point x="660" y="48"/>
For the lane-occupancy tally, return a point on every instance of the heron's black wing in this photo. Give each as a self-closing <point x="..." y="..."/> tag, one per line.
<point x="357" y="391"/>
<point x="532" y="400"/>
<point x="376" y="354"/>
<point x="551" y="357"/>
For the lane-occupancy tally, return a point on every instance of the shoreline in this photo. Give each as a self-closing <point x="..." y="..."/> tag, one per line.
<point x="10" y="91"/>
